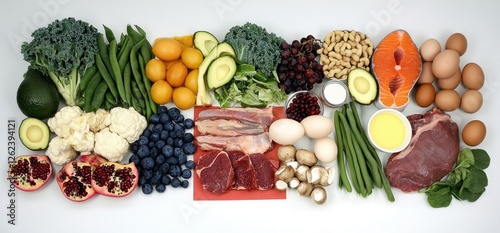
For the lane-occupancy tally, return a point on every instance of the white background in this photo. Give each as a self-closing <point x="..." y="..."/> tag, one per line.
<point x="175" y="211"/>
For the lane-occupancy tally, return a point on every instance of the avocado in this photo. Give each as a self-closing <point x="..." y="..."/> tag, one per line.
<point x="221" y="71"/>
<point x="362" y="86"/>
<point x="37" y="96"/>
<point x="34" y="134"/>
<point x="205" y="42"/>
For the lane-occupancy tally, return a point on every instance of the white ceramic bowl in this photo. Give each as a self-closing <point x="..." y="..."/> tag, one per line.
<point x="385" y="126"/>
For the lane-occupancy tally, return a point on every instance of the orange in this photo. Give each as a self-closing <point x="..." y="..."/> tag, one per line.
<point x="192" y="58"/>
<point x="167" y="49"/>
<point x="161" y="92"/>
<point x="186" y="40"/>
<point x="183" y="98"/>
<point x="156" y="70"/>
<point x="169" y="63"/>
<point x="191" y="81"/>
<point x="176" y="74"/>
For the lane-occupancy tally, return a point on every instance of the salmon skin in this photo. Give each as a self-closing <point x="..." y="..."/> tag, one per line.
<point x="396" y="64"/>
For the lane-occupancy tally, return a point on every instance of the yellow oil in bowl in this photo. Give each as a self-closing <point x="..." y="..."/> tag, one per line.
<point x="389" y="130"/>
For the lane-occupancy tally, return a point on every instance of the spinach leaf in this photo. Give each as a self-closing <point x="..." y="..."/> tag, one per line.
<point x="481" y="158"/>
<point x="465" y="159"/>
<point x="439" y="197"/>
<point x="476" y="181"/>
<point x="466" y="194"/>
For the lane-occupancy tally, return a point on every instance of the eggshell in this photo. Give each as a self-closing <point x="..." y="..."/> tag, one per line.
<point x="457" y="42"/>
<point x="286" y="131"/>
<point x="325" y="149"/>
<point x="429" y="49"/>
<point x="446" y="63"/>
<point x="474" y="133"/>
<point x="472" y="100"/>
<point x="317" y="126"/>
<point x="424" y="95"/>
<point x="426" y="76"/>
<point x="447" y="100"/>
<point x="472" y="76"/>
<point x="451" y="82"/>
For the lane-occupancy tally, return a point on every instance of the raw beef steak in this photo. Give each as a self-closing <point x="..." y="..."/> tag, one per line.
<point x="215" y="172"/>
<point x="244" y="174"/>
<point x="431" y="155"/>
<point x="264" y="171"/>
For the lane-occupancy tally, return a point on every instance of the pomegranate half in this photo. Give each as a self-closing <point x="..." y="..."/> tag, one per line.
<point x="114" y="179"/>
<point x="74" y="180"/>
<point x="30" y="172"/>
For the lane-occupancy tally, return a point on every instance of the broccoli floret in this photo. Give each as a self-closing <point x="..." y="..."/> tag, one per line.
<point x="255" y="46"/>
<point x="63" y="50"/>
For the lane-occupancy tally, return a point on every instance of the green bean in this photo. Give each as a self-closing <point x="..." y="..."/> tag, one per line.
<point x="136" y="92"/>
<point x="136" y="36"/>
<point x="116" y="69"/>
<point x="363" y="134"/>
<point x="106" y="76"/>
<point x="147" y="53"/>
<point x="136" y="106"/>
<point x="343" y="180"/>
<point x="127" y="76"/>
<point x="142" y="103"/>
<point x="98" y="97"/>
<point x="362" y="166"/>
<point x="110" y="98"/>
<point x="147" y="83"/>
<point x="355" y="172"/>
<point x="89" y="92"/>
<point x="89" y="74"/>
<point x="134" y="65"/>
<point x="109" y="33"/>
<point x="123" y="56"/>
<point x="104" y="52"/>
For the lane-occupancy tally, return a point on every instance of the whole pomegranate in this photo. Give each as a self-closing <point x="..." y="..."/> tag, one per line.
<point x="74" y="180"/>
<point x="114" y="179"/>
<point x="30" y="172"/>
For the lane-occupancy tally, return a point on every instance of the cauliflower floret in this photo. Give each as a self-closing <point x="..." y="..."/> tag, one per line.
<point x="127" y="123"/>
<point x="110" y="145"/>
<point x="98" y="120"/>
<point x="81" y="141"/>
<point x="59" y="123"/>
<point x="60" y="151"/>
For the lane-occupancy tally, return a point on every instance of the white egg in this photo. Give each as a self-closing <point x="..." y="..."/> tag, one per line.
<point x="317" y="126"/>
<point x="286" y="131"/>
<point x="325" y="149"/>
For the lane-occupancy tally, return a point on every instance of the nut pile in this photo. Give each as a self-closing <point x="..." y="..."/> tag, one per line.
<point x="344" y="51"/>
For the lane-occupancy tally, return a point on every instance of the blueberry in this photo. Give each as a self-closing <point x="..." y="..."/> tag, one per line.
<point x="160" y="188"/>
<point x="155" y="136"/>
<point x="135" y="147"/>
<point x="164" y="118"/>
<point x="158" y="128"/>
<point x="179" y="119"/>
<point x="154" y="119"/>
<point x="167" y="150"/>
<point x="165" y="179"/>
<point x="172" y="161"/>
<point x="142" y="181"/>
<point x="182" y="159"/>
<point x="179" y="127"/>
<point x="188" y="137"/>
<point x="185" y="183"/>
<point x="160" y="144"/>
<point x="143" y="140"/>
<point x="147" y="174"/>
<point x="188" y="123"/>
<point x="161" y="159"/>
<point x="172" y="134"/>
<point x="154" y="181"/>
<point x="173" y="112"/>
<point x="143" y="152"/>
<point x="146" y="133"/>
<point x="165" y="168"/>
<point x="175" y="183"/>
<point x="179" y="134"/>
<point x="164" y="135"/>
<point x="178" y="152"/>
<point x="135" y="159"/>
<point x="153" y="152"/>
<point x="156" y="177"/>
<point x="175" y="171"/>
<point x="189" y="148"/>
<point x="178" y="142"/>
<point x="190" y="164"/>
<point x="151" y="144"/>
<point x="162" y="109"/>
<point x="170" y="141"/>
<point x="169" y="126"/>
<point x="186" y="173"/>
<point x="148" y="163"/>
<point x="147" y="188"/>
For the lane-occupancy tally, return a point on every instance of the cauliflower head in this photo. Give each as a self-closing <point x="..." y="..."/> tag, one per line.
<point x="127" y="123"/>
<point x="110" y="145"/>
<point x="60" y="151"/>
<point x="60" y="122"/>
<point x="98" y="120"/>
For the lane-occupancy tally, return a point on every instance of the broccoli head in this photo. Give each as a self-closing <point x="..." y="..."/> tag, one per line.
<point x="64" y="50"/>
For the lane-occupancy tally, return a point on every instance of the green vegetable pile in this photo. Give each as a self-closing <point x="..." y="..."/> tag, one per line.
<point x="467" y="181"/>
<point x="64" y="50"/>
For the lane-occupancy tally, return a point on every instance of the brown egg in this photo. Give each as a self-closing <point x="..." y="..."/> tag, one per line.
<point x="426" y="76"/>
<point x="446" y="63"/>
<point x="472" y="100"/>
<point x="447" y="100"/>
<point x="457" y="42"/>
<point x="425" y="94"/>
<point x="429" y="49"/>
<point x="472" y="76"/>
<point x="474" y="133"/>
<point x="451" y="82"/>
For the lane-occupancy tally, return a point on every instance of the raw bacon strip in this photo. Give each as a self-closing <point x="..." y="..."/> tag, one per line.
<point x="221" y="127"/>
<point x="262" y="116"/>
<point x="247" y="144"/>
<point x="215" y="172"/>
<point x="264" y="171"/>
<point x="244" y="173"/>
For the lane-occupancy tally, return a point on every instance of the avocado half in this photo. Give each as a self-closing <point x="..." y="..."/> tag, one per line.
<point x="362" y="86"/>
<point x="221" y="71"/>
<point x="205" y="42"/>
<point x="34" y="134"/>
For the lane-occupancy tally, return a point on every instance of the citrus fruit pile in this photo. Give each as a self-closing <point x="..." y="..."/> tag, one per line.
<point x="174" y="71"/>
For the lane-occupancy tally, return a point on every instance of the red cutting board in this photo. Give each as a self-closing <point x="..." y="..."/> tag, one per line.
<point x="201" y="194"/>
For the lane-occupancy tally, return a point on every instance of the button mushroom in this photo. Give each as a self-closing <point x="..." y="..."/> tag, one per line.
<point x="286" y="153"/>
